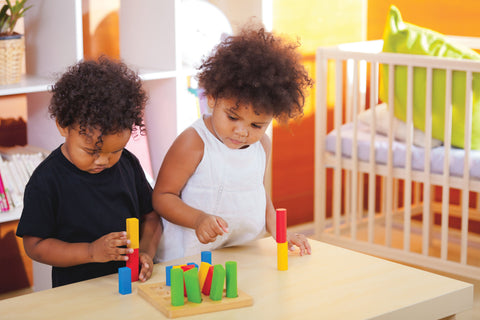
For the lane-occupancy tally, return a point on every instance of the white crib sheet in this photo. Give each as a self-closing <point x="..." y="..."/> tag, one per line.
<point x="399" y="152"/>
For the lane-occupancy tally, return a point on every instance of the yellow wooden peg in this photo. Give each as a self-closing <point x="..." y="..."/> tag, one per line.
<point x="282" y="256"/>
<point x="132" y="233"/>
<point x="202" y="274"/>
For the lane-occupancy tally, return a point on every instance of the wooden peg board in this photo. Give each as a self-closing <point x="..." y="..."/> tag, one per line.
<point x="158" y="294"/>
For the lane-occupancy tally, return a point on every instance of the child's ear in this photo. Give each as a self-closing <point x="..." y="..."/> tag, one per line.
<point x="211" y="101"/>
<point x="63" y="131"/>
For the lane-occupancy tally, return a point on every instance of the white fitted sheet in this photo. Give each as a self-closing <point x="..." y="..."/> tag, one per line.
<point x="399" y="152"/>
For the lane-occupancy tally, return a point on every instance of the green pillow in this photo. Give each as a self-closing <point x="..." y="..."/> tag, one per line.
<point x="401" y="37"/>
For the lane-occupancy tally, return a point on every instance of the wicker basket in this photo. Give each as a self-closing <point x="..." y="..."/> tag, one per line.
<point x="11" y="60"/>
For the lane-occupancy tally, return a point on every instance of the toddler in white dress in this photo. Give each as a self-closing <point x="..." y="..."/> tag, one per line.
<point x="210" y="189"/>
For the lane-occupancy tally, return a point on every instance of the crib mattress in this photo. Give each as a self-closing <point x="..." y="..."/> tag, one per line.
<point x="437" y="154"/>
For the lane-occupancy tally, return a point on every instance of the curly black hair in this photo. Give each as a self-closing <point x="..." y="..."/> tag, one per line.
<point x="258" y="68"/>
<point x="101" y="94"/>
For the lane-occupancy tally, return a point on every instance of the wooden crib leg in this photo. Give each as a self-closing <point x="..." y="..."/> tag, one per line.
<point x="361" y="194"/>
<point x="431" y="218"/>
<point x="347" y="198"/>
<point x="383" y="191"/>
<point x="426" y="218"/>
<point x="389" y="218"/>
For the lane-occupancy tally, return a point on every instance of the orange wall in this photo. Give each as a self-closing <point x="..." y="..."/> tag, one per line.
<point x="444" y="16"/>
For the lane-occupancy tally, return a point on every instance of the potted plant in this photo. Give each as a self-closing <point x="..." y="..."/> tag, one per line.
<point x="12" y="44"/>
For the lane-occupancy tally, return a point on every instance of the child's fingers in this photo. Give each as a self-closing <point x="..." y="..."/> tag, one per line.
<point x="115" y="243"/>
<point x="222" y="224"/>
<point x="308" y="247"/>
<point x="117" y="235"/>
<point x="120" y="257"/>
<point x="143" y="275"/>
<point x="119" y="254"/>
<point x="116" y="254"/>
<point x="291" y="246"/>
<point x="145" y="272"/>
<point x="301" y="247"/>
<point x="116" y="239"/>
<point x="209" y="236"/>
<point x="301" y="242"/>
<point x="203" y="236"/>
<point x="124" y="251"/>
<point x="305" y="244"/>
<point x="110" y="247"/>
<point x="211" y="233"/>
<point x="146" y="267"/>
<point x="210" y="228"/>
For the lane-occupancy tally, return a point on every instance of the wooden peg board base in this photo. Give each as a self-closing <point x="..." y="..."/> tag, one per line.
<point x="158" y="294"/>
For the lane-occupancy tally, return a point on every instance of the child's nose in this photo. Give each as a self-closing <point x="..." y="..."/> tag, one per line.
<point x="241" y="131"/>
<point x="102" y="159"/>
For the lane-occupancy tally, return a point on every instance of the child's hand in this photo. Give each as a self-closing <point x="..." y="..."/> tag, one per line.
<point x="300" y="241"/>
<point x="208" y="227"/>
<point x="146" y="267"/>
<point x="107" y="248"/>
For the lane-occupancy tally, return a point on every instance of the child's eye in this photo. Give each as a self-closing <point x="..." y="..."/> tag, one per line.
<point x="256" y="126"/>
<point x="232" y="118"/>
<point x="91" y="152"/>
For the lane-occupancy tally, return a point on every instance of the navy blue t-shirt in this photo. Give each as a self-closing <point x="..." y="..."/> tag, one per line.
<point x="66" y="203"/>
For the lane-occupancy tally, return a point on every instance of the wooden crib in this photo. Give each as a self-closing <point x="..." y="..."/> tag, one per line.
<point x="422" y="209"/>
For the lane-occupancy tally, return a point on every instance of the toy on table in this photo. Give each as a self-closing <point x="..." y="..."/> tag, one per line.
<point x="193" y="285"/>
<point x="207" y="284"/>
<point x="231" y="278"/>
<point x="281" y="238"/>
<point x="204" y="289"/>
<point x="177" y="298"/>
<point x="203" y="272"/>
<point x="124" y="280"/>
<point x="133" y="258"/>
<point x="185" y="268"/>
<point x="208" y="277"/>
<point x="129" y="273"/>
<point x="206" y="256"/>
<point x="218" y="281"/>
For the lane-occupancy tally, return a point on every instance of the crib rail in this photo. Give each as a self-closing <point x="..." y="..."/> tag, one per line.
<point x="347" y="83"/>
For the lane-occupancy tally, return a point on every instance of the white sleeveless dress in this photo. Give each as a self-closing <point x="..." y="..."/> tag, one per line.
<point x="227" y="183"/>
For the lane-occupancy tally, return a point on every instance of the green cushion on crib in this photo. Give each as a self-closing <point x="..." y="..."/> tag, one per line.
<point x="401" y="37"/>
